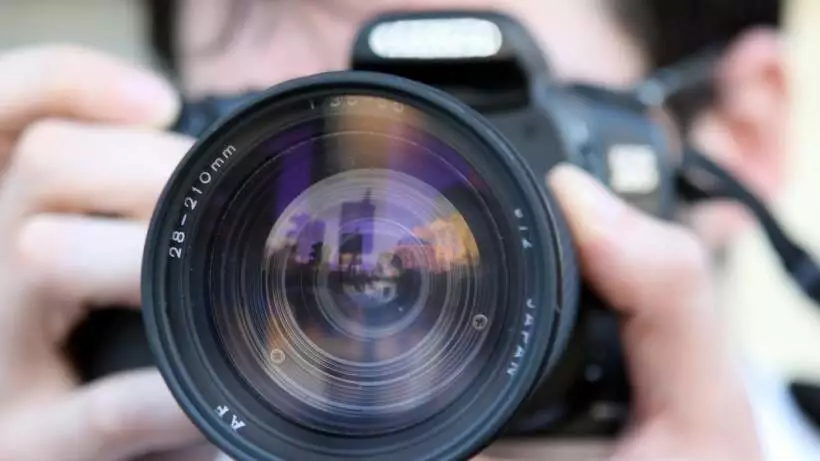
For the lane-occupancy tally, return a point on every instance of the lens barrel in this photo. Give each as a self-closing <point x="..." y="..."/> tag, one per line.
<point x="355" y="266"/>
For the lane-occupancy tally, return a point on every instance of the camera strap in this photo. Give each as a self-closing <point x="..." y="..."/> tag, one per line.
<point x="701" y="179"/>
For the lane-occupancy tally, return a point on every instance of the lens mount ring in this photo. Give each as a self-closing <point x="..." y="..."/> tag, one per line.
<point x="184" y="335"/>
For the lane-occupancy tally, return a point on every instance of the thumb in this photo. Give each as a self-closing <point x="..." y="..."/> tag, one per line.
<point x="656" y="275"/>
<point x="117" y="418"/>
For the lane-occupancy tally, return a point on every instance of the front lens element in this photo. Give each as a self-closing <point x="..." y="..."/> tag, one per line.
<point x="356" y="299"/>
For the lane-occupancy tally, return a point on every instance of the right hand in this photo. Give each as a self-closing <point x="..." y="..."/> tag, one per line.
<point x="83" y="158"/>
<point x="690" y="400"/>
<point x="690" y="403"/>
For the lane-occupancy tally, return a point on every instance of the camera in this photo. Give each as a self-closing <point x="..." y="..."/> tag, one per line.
<point x="367" y="264"/>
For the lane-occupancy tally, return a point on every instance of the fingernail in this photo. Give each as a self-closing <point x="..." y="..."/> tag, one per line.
<point x="591" y="209"/>
<point x="152" y="96"/>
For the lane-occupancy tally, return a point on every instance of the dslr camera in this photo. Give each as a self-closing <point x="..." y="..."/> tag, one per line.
<point x="368" y="265"/>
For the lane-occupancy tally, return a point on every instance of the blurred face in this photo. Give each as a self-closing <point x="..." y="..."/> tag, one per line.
<point x="234" y="45"/>
<point x="230" y="46"/>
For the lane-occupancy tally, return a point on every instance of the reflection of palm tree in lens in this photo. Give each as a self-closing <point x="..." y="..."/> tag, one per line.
<point x="305" y="232"/>
<point x="359" y="214"/>
<point x="316" y="254"/>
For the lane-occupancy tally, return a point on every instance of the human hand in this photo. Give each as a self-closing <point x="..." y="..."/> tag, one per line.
<point x="83" y="159"/>
<point x="690" y="403"/>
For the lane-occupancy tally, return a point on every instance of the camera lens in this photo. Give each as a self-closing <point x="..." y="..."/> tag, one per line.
<point x="353" y="266"/>
<point x="357" y="299"/>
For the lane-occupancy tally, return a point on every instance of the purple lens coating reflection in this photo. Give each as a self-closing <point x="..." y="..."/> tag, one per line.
<point x="378" y="281"/>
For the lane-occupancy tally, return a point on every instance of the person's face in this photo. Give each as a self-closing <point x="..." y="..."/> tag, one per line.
<point x="270" y="41"/>
<point x="231" y="46"/>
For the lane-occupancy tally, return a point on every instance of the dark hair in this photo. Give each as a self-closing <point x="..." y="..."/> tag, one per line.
<point x="672" y="30"/>
<point x="669" y="29"/>
<point x="162" y="19"/>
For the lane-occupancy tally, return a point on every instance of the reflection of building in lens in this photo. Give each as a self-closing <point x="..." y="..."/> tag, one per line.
<point x="316" y="255"/>
<point x="287" y="253"/>
<point x="305" y="235"/>
<point x="350" y="250"/>
<point x="452" y="242"/>
<point x="310" y="241"/>
<point x="388" y="265"/>
<point x="416" y="254"/>
<point x="356" y="231"/>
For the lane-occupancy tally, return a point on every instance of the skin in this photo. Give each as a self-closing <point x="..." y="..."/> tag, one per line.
<point x="66" y="109"/>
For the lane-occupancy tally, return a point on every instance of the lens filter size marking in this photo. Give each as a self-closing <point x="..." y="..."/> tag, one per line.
<point x="480" y="322"/>
<point x="277" y="356"/>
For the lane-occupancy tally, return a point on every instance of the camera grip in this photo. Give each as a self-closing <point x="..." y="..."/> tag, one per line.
<point x="109" y="341"/>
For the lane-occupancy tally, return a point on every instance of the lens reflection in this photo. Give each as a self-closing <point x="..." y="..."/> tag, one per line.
<point x="384" y="300"/>
<point x="363" y="277"/>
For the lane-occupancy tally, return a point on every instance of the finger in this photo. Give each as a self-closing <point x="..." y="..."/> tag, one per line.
<point x="6" y="143"/>
<point x="82" y="261"/>
<point x="657" y="276"/>
<point x="613" y="235"/>
<point x="74" y="167"/>
<point x="118" y="418"/>
<point x="68" y="81"/>
<point x="200" y="452"/>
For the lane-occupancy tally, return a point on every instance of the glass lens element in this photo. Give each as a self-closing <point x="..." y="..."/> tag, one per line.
<point x="357" y="274"/>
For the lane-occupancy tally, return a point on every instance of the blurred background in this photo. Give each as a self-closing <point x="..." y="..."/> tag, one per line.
<point x="772" y="321"/>
<point x="113" y="26"/>
<point x="772" y="324"/>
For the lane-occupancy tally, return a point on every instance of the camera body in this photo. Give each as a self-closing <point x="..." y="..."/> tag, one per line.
<point x="490" y="63"/>
<point x="510" y="85"/>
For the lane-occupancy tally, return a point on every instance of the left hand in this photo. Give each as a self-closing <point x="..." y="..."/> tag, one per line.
<point x="84" y="153"/>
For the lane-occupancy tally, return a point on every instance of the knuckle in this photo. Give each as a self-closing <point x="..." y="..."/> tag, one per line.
<point x="686" y="266"/>
<point x="34" y="152"/>
<point x="37" y="246"/>
<point x="603" y="246"/>
<point x="58" y="75"/>
<point x="692" y="258"/>
<point x="59" y="62"/>
<point x="51" y="67"/>
<point x="102" y="420"/>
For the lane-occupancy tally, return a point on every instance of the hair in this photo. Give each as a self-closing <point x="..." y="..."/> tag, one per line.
<point x="670" y="30"/>
<point x="162" y="19"/>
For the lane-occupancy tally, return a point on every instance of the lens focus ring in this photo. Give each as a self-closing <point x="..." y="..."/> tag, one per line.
<point x="368" y="274"/>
